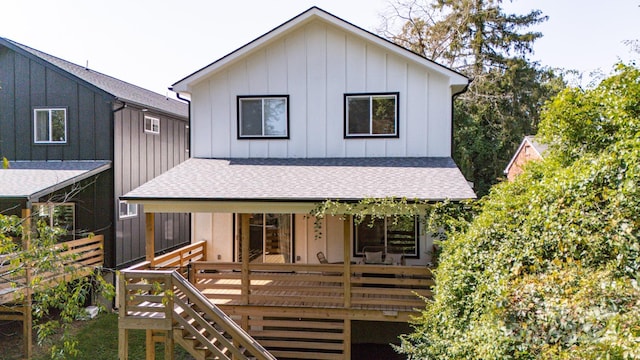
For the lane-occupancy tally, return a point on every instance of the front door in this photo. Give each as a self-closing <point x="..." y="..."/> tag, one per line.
<point x="268" y="236"/>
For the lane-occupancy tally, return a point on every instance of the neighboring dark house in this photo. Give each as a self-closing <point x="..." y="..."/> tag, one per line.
<point x="528" y="150"/>
<point x="77" y="140"/>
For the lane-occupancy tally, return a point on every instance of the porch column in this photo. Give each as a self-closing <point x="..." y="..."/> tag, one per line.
<point x="27" y="322"/>
<point x="245" y="231"/>
<point x="150" y="237"/>
<point x="347" y="260"/>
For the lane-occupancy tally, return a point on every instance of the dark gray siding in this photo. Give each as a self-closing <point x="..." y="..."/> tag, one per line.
<point x="139" y="157"/>
<point x="26" y="84"/>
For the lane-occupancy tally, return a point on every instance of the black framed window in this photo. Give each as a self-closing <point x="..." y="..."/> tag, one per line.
<point x="398" y="232"/>
<point x="50" y="126"/>
<point x="261" y="117"/>
<point x="371" y="115"/>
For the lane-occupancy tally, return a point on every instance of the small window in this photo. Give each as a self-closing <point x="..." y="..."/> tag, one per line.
<point x="371" y="115"/>
<point x="50" y="126"/>
<point x="151" y="125"/>
<point x="127" y="210"/>
<point x="263" y="117"/>
<point x="58" y="215"/>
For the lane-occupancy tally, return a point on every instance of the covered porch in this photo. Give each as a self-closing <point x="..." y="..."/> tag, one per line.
<point x="284" y="297"/>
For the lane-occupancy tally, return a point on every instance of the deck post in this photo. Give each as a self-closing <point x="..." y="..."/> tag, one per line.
<point x="347" y="260"/>
<point x="123" y="344"/>
<point x="150" y="237"/>
<point x="245" y="231"/>
<point x="27" y="319"/>
<point x="150" y="346"/>
<point x="346" y="351"/>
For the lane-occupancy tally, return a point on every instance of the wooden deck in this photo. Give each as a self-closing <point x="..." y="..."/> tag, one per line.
<point x="296" y="311"/>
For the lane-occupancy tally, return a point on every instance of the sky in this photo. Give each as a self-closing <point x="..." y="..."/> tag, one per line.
<point x="155" y="43"/>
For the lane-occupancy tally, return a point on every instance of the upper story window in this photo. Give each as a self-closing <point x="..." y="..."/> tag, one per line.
<point x="50" y="126"/>
<point x="151" y="125"/>
<point x="126" y="210"/>
<point x="262" y="117"/>
<point x="371" y="115"/>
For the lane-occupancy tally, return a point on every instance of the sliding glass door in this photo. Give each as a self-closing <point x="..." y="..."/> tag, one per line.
<point x="268" y="236"/>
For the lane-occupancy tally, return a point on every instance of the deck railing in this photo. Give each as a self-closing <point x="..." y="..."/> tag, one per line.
<point x="164" y="300"/>
<point x="374" y="287"/>
<point x="76" y="258"/>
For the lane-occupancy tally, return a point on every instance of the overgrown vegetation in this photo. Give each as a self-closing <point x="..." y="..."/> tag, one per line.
<point x="31" y="258"/>
<point x="549" y="268"/>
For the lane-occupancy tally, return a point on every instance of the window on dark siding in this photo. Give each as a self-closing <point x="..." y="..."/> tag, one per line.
<point x="263" y="117"/>
<point x="50" y="126"/>
<point x="126" y="210"/>
<point x="371" y="115"/>
<point x="57" y="215"/>
<point x="151" y="125"/>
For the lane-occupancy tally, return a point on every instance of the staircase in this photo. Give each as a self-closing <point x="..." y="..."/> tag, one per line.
<point x="166" y="301"/>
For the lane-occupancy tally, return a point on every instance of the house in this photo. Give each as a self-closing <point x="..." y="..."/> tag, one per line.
<point x="315" y="109"/>
<point x="529" y="150"/>
<point x="76" y="140"/>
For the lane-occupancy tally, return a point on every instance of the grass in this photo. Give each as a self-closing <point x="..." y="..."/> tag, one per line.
<point x="98" y="340"/>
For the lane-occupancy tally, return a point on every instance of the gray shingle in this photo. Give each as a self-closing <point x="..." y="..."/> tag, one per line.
<point x="118" y="88"/>
<point x="308" y="180"/>
<point x="26" y="179"/>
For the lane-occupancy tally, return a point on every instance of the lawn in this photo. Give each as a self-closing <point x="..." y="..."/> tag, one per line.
<point x="98" y="340"/>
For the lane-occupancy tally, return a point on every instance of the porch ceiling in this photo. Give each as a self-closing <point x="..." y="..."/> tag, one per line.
<point x="216" y="184"/>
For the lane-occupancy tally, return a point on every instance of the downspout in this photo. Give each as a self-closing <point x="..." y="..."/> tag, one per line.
<point x="188" y="149"/>
<point x="453" y="98"/>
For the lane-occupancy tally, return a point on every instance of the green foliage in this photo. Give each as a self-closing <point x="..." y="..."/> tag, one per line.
<point x="548" y="268"/>
<point x="503" y="102"/>
<point x="55" y="304"/>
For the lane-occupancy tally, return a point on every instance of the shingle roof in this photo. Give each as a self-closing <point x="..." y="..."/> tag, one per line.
<point x="120" y="89"/>
<point x="307" y="180"/>
<point x="32" y="179"/>
<point x="540" y="148"/>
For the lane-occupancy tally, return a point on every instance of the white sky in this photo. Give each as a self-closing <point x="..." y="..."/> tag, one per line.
<point x="154" y="43"/>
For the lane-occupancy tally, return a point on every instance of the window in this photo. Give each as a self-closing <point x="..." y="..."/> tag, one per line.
<point x="57" y="215"/>
<point x="151" y="125"/>
<point x="263" y="117"/>
<point x="269" y="236"/>
<point x="50" y="126"/>
<point x="371" y="115"/>
<point x="127" y="210"/>
<point x="399" y="232"/>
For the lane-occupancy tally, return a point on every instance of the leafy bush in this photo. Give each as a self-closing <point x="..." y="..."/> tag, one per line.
<point x="549" y="267"/>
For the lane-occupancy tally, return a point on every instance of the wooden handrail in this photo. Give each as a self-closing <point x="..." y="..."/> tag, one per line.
<point x="145" y="304"/>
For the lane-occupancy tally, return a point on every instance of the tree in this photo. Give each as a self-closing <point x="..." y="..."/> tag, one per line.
<point x="548" y="269"/>
<point x="478" y="39"/>
<point x="29" y="257"/>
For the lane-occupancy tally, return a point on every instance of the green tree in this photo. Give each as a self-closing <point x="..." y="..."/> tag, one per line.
<point x="503" y="101"/>
<point x="549" y="267"/>
<point x="29" y="257"/>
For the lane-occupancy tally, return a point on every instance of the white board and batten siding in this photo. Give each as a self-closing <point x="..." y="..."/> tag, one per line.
<point x="316" y="65"/>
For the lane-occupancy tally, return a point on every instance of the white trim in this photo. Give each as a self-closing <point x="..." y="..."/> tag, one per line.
<point x="50" y="123"/>
<point x="155" y="123"/>
<point x="132" y="210"/>
<point x="456" y="80"/>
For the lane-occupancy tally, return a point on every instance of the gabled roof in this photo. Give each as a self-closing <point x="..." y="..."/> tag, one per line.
<point x="119" y="89"/>
<point x="535" y="145"/>
<point x="31" y="180"/>
<point x="306" y="180"/>
<point x="457" y="80"/>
